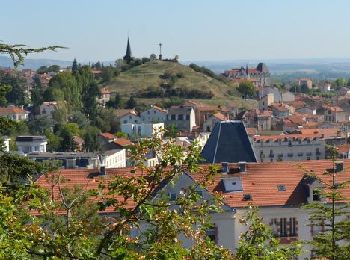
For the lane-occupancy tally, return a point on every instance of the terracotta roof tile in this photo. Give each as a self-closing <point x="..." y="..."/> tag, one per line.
<point x="123" y="142"/>
<point x="260" y="180"/>
<point x="12" y="110"/>
<point x="108" y="136"/>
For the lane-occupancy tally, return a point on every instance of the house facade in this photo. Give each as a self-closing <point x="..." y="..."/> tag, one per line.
<point x="182" y="117"/>
<point x="14" y="113"/>
<point x="28" y="144"/>
<point x="154" y="115"/>
<point x="143" y="129"/>
<point x="290" y="147"/>
<point x="110" y="159"/>
<point x="47" y="109"/>
<point x="279" y="190"/>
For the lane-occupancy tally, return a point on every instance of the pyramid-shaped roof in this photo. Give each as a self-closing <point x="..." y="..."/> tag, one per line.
<point x="228" y="142"/>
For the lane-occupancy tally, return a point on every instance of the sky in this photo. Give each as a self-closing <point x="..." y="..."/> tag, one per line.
<point x="196" y="30"/>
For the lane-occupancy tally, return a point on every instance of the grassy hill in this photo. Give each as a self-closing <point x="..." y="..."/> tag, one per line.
<point x="142" y="77"/>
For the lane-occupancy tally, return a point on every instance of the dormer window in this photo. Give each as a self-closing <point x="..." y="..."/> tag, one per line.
<point x="316" y="195"/>
<point x="281" y="187"/>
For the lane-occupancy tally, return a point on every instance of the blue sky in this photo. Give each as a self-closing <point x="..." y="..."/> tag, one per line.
<point x="193" y="29"/>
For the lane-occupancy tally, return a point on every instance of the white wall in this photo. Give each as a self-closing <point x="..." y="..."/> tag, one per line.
<point x="27" y="147"/>
<point x="7" y="144"/>
<point x="115" y="160"/>
<point x="153" y="115"/>
<point x="300" y="151"/>
<point x="143" y="129"/>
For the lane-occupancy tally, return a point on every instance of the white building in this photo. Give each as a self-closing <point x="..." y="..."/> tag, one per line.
<point x="115" y="158"/>
<point x="28" y="144"/>
<point x="6" y="141"/>
<point x="142" y="129"/>
<point x="154" y="115"/>
<point x="182" y="117"/>
<point x="266" y="101"/>
<point x="14" y="113"/>
<point x="131" y="117"/>
<point x="47" y="109"/>
<point x="279" y="190"/>
<point x="291" y="147"/>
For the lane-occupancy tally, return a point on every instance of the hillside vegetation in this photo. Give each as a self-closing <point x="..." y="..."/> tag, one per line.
<point x="154" y="78"/>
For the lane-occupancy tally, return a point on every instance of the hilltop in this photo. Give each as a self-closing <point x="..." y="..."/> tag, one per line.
<point x="148" y="81"/>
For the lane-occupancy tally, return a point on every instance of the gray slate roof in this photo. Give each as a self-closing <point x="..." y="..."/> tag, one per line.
<point x="228" y="142"/>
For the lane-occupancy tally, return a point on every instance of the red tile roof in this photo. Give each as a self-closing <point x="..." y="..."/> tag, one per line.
<point x="108" y="136"/>
<point x="123" y="142"/>
<point x="326" y="132"/>
<point x="260" y="181"/>
<point x="12" y="110"/>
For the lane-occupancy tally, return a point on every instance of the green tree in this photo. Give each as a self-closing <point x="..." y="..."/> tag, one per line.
<point x="107" y="74"/>
<point x="116" y="102"/>
<point x="131" y="103"/>
<point x="53" y="141"/>
<point x="4" y="89"/>
<point x="330" y="214"/>
<point x="67" y="133"/>
<point x="90" y="135"/>
<point x="89" y="100"/>
<point x="258" y="242"/>
<point x="74" y="66"/>
<point x="247" y="89"/>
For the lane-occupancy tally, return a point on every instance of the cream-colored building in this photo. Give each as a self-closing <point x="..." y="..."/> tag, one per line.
<point x="266" y="101"/>
<point x="154" y="115"/>
<point x="289" y="147"/>
<point x="14" y="113"/>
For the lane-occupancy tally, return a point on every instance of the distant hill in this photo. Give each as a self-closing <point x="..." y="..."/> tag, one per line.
<point x="138" y="79"/>
<point x="34" y="63"/>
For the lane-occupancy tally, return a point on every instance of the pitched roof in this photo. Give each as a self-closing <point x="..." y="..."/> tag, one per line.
<point x="228" y="142"/>
<point x="122" y="142"/>
<point x="260" y="181"/>
<point x="326" y="132"/>
<point x="159" y="108"/>
<point x="122" y="112"/>
<point x="108" y="136"/>
<point x="12" y="110"/>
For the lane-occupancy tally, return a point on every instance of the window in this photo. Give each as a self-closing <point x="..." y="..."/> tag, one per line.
<point x="316" y="196"/>
<point x="281" y="187"/>
<point x="172" y="196"/>
<point x="148" y="112"/>
<point x="283" y="227"/>
<point x="187" y="117"/>
<point x="173" y="117"/>
<point x="212" y="233"/>
<point x="180" y="117"/>
<point x="292" y="227"/>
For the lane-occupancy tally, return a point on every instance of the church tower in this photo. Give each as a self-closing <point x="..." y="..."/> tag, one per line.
<point x="128" y="54"/>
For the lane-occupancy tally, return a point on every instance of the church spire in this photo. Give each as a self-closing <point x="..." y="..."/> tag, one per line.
<point x="128" y="54"/>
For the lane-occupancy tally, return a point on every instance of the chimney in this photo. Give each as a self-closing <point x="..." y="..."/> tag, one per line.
<point x="242" y="166"/>
<point x="102" y="171"/>
<point x="225" y="169"/>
